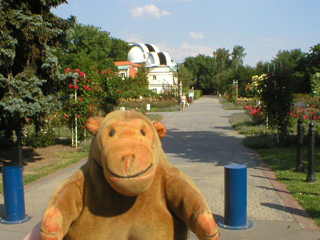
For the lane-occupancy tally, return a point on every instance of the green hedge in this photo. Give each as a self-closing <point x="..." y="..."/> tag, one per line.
<point x="197" y="94"/>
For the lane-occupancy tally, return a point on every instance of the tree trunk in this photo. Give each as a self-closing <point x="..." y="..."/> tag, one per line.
<point x="19" y="143"/>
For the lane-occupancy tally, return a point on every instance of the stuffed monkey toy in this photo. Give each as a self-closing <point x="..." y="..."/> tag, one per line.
<point x="127" y="190"/>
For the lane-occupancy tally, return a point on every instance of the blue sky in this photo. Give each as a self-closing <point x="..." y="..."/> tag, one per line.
<point x="186" y="28"/>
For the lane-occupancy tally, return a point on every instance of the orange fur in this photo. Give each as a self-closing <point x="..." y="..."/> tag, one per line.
<point x="127" y="190"/>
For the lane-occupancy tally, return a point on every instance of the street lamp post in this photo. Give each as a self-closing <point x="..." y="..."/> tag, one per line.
<point x="179" y="82"/>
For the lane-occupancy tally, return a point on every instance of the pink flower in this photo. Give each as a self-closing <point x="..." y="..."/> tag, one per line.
<point x="305" y="117"/>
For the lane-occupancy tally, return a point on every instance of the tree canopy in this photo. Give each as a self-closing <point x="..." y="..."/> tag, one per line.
<point x="91" y="48"/>
<point x="29" y="71"/>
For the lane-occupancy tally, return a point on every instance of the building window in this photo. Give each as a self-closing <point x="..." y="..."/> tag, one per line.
<point x="154" y="77"/>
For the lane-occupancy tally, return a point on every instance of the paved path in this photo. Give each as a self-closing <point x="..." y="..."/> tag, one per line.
<point x="201" y="142"/>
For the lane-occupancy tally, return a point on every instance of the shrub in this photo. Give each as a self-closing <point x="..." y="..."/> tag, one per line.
<point x="85" y="145"/>
<point x="6" y="143"/>
<point x="277" y="99"/>
<point x="315" y="85"/>
<point x="259" y="141"/>
<point x="40" y="139"/>
<point x="197" y="94"/>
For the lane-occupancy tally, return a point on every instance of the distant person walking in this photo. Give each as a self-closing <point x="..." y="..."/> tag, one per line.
<point x="183" y="101"/>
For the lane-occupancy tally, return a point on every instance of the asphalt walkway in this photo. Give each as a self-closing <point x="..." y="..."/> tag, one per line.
<point x="200" y="142"/>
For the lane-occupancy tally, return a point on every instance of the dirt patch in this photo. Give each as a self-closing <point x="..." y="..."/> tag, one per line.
<point x="34" y="158"/>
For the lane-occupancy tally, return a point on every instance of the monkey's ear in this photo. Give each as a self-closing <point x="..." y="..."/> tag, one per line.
<point x="93" y="124"/>
<point x="161" y="129"/>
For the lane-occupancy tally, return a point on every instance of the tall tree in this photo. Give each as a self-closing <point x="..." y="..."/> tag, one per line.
<point x="88" y="50"/>
<point x="314" y="59"/>
<point x="119" y="50"/>
<point x="223" y="61"/>
<point x="186" y="77"/>
<point x="237" y="56"/>
<point x="29" y="71"/>
<point x="202" y="68"/>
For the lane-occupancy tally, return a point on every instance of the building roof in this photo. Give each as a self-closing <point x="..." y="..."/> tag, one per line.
<point x="125" y="65"/>
<point x="149" y="54"/>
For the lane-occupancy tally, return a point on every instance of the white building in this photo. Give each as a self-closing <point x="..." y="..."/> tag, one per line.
<point x="159" y="65"/>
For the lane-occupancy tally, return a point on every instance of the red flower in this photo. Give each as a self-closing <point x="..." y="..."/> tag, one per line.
<point x="81" y="74"/>
<point x="67" y="70"/>
<point x="71" y="86"/>
<point x="80" y="99"/>
<point x="76" y="87"/>
<point x="75" y="103"/>
<point x="118" y="91"/>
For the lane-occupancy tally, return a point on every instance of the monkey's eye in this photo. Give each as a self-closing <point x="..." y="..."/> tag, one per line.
<point x="112" y="132"/>
<point x="143" y="132"/>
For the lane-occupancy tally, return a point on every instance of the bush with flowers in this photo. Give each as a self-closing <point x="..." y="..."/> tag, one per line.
<point x="277" y="100"/>
<point x="80" y="99"/>
<point x="112" y="86"/>
<point x="252" y="89"/>
<point x="257" y="114"/>
<point x="315" y="85"/>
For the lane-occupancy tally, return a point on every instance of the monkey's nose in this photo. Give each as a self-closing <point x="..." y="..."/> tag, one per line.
<point x="129" y="157"/>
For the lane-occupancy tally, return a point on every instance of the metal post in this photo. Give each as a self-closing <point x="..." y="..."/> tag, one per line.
<point x="299" y="167"/>
<point x="311" y="177"/>
<point x="76" y="121"/>
<point x="13" y="192"/>
<point x="235" y="198"/>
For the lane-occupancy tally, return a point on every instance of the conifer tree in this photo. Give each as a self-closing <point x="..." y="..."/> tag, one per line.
<point x="29" y="71"/>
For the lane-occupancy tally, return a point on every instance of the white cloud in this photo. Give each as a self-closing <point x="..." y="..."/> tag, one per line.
<point x="149" y="10"/>
<point x="133" y="37"/>
<point x="184" y="51"/>
<point x="197" y="35"/>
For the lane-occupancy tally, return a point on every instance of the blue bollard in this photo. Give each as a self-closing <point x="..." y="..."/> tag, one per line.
<point x="235" y="208"/>
<point x="13" y="192"/>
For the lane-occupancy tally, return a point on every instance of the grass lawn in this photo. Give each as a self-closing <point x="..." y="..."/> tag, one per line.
<point x="283" y="162"/>
<point x="67" y="159"/>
